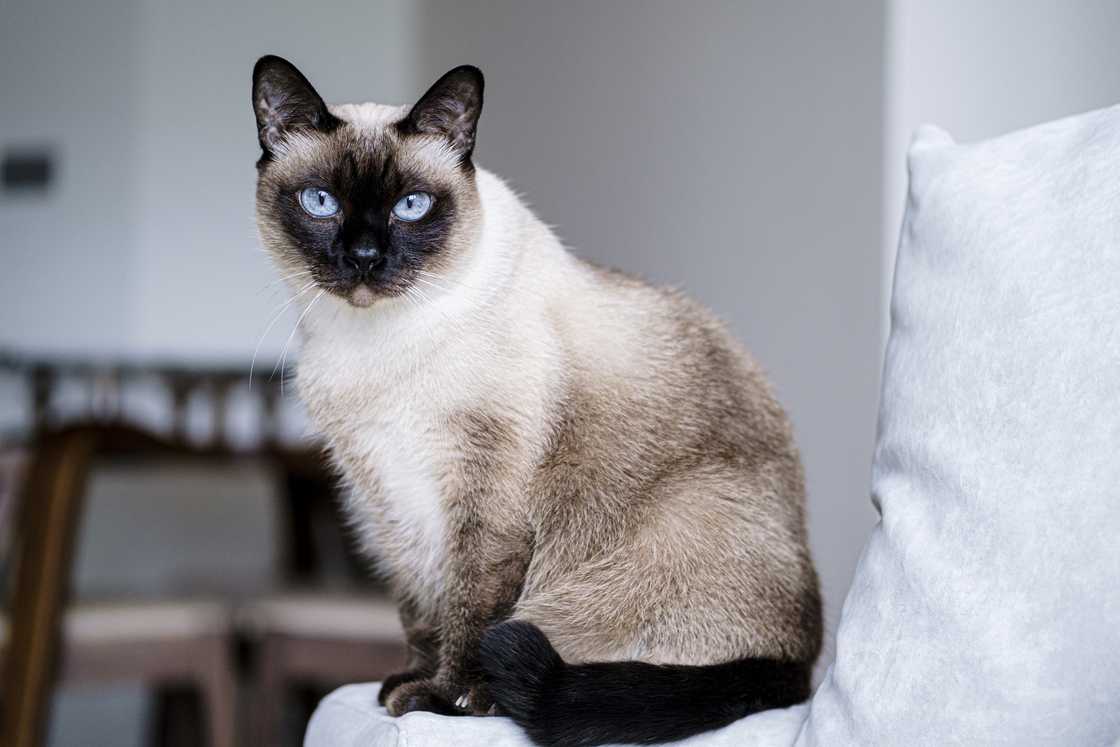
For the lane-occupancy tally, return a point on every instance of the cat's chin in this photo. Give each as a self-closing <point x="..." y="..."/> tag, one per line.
<point x="361" y="297"/>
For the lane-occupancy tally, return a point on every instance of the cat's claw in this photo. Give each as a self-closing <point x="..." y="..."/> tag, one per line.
<point x="422" y="695"/>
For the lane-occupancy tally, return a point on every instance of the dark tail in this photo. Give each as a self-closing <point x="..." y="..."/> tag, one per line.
<point x="580" y="705"/>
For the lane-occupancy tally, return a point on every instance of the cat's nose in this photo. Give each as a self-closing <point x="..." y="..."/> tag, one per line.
<point x="364" y="258"/>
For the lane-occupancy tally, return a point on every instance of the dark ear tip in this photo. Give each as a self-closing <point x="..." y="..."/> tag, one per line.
<point x="469" y="72"/>
<point x="270" y="62"/>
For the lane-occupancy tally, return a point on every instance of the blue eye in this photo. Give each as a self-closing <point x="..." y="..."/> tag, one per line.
<point x="413" y="207"/>
<point x="318" y="202"/>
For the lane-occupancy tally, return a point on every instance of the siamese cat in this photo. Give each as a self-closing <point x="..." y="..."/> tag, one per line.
<point x="586" y="499"/>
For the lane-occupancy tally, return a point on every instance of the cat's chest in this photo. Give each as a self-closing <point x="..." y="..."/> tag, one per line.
<point x="396" y="471"/>
<point x="390" y="437"/>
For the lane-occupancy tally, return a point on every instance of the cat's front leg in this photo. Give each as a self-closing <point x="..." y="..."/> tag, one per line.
<point x="484" y="580"/>
<point x="487" y="550"/>
<point x="422" y="639"/>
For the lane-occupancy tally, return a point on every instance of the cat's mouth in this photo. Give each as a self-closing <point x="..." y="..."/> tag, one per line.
<point x="361" y="296"/>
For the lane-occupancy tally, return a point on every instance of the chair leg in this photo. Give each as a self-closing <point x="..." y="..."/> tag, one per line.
<point x="50" y="507"/>
<point x="176" y="715"/>
<point x="269" y="693"/>
<point x="219" y="693"/>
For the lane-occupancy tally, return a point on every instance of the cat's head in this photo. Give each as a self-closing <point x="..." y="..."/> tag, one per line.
<point x="364" y="201"/>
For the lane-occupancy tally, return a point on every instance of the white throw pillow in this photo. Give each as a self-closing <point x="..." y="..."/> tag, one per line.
<point x="986" y="607"/>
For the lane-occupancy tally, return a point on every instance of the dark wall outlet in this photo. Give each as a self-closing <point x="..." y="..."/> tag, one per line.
<point x="27" y="169"/>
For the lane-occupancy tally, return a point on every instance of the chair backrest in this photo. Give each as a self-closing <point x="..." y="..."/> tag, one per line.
<point x="173" y="526"/>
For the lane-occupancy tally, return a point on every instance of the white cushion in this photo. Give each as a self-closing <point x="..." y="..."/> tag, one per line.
<point x="986" y="606"/>
<point x="350" y="717"/>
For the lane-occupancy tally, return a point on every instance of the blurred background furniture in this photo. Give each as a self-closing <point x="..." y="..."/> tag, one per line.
<point x="162" y="644"/>
<point x="233" y="616"/>
<point x="308" y="643"/>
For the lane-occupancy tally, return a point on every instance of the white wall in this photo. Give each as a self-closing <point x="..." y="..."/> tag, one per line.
<point x="69" y="80"/>
<point x="982" y="69"/>
<point x="732" y="148"/>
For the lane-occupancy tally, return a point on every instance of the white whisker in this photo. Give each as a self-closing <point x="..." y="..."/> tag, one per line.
<point x="283" y="281"/>
<point x="428" y="299"/>
<point x="437" y="287"/>
<point x="279" y="313"/>
<point x="284" y="351"/>
<point x="444" y="278"/>
<point x="295" y="275"/>
<point x="411" y="299"/>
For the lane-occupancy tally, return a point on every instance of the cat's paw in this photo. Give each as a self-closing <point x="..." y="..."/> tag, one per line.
<point x="424" y="695"/>
<point x="477" y="701"/>
<point x="393" y="681"/>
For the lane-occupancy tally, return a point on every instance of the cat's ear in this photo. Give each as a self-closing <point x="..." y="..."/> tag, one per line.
<point x="285" y="102"/>
<point x="450" y="109"/>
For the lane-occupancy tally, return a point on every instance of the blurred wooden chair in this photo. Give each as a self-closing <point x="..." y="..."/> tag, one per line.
<point x="316" y="640"/>
<point x="317" y="637"/>
<point x="157" y="642"/>
<point x="165" y="643"/>
<point x="162" y="644"/>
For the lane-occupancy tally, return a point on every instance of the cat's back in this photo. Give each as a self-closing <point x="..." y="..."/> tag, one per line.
<point x="661" y="338"/>
<point x="655" y="379"/>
